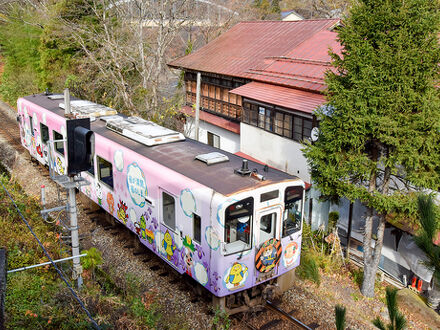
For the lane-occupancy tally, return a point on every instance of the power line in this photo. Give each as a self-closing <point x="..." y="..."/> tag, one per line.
<point x="50" y="259"/>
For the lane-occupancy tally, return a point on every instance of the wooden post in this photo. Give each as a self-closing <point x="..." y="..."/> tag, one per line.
<point x="3" y="271"/>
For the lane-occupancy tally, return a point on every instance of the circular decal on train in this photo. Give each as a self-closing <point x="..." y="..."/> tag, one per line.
<point x="136" y="184"/>
<point x="212" y="238"/>
<point x="291" y="254"/>
<point x="187" y="202"/>
<point x="235" y="276"/>
<point x="200" y="273"/>
<point x="118" y="158"/>
<point x="268" y="256"/>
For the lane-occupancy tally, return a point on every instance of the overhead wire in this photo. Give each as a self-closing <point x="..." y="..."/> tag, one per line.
<point x="95" y="324"/>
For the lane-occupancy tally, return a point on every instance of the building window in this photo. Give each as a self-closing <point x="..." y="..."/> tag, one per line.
<point x="197" y="223"/>
<point x="169" y="210"/>
<point x="44" y="133"/>
<point x="105" y="172"/>
<point x="213" y="140"/>
<point x="59" y="146"/>
<point x="279" y="122"/>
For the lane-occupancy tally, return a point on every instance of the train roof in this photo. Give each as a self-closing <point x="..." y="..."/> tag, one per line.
<point x="180" y="157"/>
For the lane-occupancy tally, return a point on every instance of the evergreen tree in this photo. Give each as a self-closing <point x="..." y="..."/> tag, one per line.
<point x="379" y="132"/>
<point x="397" y="320"/>
<point x="428" y="233"/>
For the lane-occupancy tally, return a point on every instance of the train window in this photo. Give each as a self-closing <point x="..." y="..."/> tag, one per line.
<point x="91" y="170"/>
<point x="169" y="210"/>
<point x="59" y="146"/>
<point x="238" y="226"/>
<point x="269" y="195"/>
<point x="267" y="227"/>
<point x="44" y="133"/>
<point x="105" y="172"/>
<point x="31" y="122"/>
<point x="292" y="217"/>
<point x="197" y="223"/>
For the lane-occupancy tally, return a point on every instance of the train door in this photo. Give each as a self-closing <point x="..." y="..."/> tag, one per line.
<point x="291" y="226"/>
<point x="268" y="247"/>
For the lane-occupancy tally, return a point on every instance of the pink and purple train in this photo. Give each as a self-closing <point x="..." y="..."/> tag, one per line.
<point x="237" y="233"/>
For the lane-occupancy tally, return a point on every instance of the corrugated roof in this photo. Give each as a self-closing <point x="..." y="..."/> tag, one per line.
<point x="250" y="45"/>
<point x="282" y="96"/>
<point x="303" y="67"/>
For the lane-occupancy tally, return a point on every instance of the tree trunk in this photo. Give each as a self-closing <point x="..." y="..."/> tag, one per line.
<point x="372" y="256"/>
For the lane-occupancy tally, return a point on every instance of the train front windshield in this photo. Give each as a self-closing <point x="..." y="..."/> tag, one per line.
<point x="238" y="226"/>
<point x="293" y="210"/>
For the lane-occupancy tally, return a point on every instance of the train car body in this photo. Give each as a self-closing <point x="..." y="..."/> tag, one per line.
<point x="229" y="232"/>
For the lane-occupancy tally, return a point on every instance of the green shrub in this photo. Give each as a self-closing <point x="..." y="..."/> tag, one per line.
<point x="308" y="269"/>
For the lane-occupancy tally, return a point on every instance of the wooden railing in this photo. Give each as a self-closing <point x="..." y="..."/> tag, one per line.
<point x="222" y="108"/>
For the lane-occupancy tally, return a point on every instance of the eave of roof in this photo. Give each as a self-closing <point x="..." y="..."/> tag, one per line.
<point x="281" y="96"/>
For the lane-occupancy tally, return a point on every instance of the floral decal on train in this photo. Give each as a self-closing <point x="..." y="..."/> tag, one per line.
<point x="235" y="276"/>
<point x="187" y="202"/>
<point x="122" y="212"/>
<point x="136" y="184"/>
<point x="291" y="254"/>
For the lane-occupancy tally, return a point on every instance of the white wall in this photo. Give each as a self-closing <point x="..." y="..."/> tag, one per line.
<point x="279" y="152"/>
<point x="229" y="141"/>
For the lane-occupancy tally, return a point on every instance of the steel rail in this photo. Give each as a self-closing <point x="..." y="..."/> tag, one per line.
<point x="287" y="316"/>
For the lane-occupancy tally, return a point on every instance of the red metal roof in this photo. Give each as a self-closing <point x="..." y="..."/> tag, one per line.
<point x="251" y="45"/>
<point x="213" y="119"/>
<point x="282" y="96"/>
<point x="304" y="67"/>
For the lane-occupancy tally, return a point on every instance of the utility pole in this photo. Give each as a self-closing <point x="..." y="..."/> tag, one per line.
<point x="71" y="209"/>
<point x="79" y="138"/>
<point x="197" y="120"/>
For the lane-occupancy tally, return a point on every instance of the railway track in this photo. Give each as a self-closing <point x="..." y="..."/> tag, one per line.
<point x="272" y="316"/>
<point x="8" y="128"/>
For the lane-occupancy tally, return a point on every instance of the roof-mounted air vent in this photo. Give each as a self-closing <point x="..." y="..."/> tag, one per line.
<point x="55" y="96"/>
<point x="212" y="158"/>
<point x="87" y="109"/>
<point x="244" y="170"/>
<point x="143" y="131"/>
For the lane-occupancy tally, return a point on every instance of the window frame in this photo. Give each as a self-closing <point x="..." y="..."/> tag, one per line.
<point x="162" y="210"/>
<point x="213" y="137"/>
<point x="301" y="190"/>
<point x="278" y="121"/>
<point x="247" y="246"/>
<point x="99" y="172"/>
<point x="199" y="241"/>
<point x="31" y="124"/>
<point x="46" y="129"/>
<point x="56" y="143"/>
<point x="92" y="167"/>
